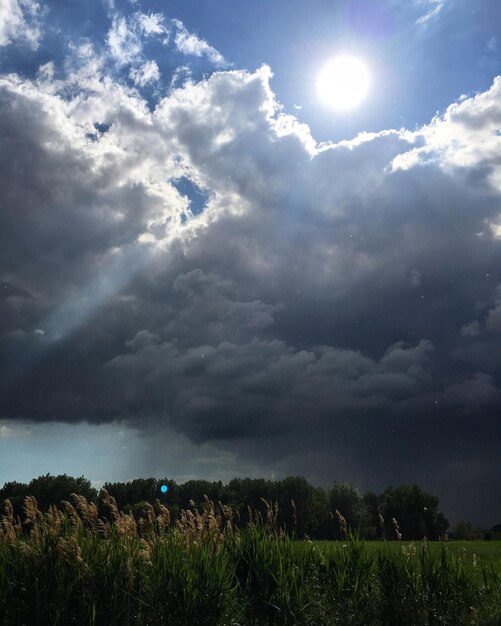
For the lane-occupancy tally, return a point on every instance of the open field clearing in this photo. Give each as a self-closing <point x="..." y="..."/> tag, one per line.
<point x="79" y="566"/>
<point x="473" y="554"/>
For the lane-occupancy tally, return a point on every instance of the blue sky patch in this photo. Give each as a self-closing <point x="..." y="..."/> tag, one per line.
<point x="196" y="196"/>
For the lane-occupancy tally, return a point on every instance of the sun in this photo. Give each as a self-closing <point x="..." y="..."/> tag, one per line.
<point x="344" y="82"/>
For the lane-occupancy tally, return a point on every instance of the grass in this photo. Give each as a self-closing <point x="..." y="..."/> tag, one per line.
<point x="101" y="567"/>
<point x="474" y="554"/>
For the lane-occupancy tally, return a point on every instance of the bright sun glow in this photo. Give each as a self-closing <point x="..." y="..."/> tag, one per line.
<point x="343" y="82"/>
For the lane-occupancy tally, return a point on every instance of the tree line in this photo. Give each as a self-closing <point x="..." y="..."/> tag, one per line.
<point x="400" y="512"/>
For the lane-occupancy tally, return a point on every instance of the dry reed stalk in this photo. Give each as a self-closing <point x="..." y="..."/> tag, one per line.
<point x="397" y="529"/>
<point x="110" y="503"/>
<point x="75" y="520"/>
<point x="271" y="515"/>
<point x="199" y="522"/>
<point x="213" y="522"/>
<point x="343" y="526"/>
<point x="33" y="515"/>
<point x="186" y="527"/>
<point x="69" y="550"/>
<point x="87" y="510"/>
<point x="104" y="528"/>
<point x="147" y="523"/>
<point x="54" y="519"/>
<point x="126" y="526"/>
<point x="163" y="519"/>
<point x="410" y="550"/>
<point x="8" y="524"/>
<point x="34" y="519"/>
<point x="145" y="551"/>
<point x="249" y="513"/>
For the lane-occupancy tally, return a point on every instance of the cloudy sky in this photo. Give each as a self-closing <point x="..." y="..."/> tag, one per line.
<point x="208" y="271"/>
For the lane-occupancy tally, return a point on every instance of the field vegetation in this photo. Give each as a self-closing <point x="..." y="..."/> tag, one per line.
<point x="370" y="515"/>
<point x="93" y="564"/>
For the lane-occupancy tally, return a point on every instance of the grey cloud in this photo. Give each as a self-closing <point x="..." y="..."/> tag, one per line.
<point x="245" y="390"/>
<point x="493" y="321"/>
<point x="479" y="390"/>
<point x="53" y="193"/>
<point x="323" y="298"/>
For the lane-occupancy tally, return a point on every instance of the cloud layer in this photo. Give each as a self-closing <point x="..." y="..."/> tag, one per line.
<point x="346" y="291"/>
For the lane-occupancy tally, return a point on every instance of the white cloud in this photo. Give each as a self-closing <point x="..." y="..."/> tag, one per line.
<point x="434" y="7"/>
<point x="152" y="24"/>
<point x="465" y="136"/>
<point x="126" y="35"/>
<point x="188" y="43"/>
<point x="19" y="20"/>
<point x="495" y="229"/>
<point x="123" y="41"/>
<point x="145" y="74"/>
<point x="181" y="75"/>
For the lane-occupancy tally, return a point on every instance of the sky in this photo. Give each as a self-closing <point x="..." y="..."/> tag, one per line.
<point x="208" y="272"/>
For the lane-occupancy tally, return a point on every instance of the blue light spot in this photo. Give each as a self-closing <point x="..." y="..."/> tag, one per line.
<point x="163" y="488"/>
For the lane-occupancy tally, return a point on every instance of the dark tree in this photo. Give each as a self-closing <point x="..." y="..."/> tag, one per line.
<point x="415" y="511"/>
<point x="345" y="498"/>
<point x="373" y="528"/>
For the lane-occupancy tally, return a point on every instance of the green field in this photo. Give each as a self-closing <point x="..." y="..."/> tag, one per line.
<point x="72" y="567"/>
<point x="473" y="553"/>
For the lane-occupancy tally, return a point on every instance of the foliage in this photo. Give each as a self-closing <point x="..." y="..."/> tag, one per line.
<point x="48" y="490"/>
<point x="496" y="532"/>
<point x="303" y="510"/>
<point x="346" y="499"/>
<point x="465" y="531"/>
<point x="416" y="512"/>
<point x="94" y="565"/>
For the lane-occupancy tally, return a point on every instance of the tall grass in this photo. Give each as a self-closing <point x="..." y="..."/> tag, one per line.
<point x="95" y="566"/>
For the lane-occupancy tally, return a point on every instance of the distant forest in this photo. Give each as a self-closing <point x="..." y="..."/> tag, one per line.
<point x="400" y="512"/>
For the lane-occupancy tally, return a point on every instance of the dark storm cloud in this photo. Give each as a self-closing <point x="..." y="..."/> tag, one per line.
<point x="59" y="214"/>
<point x="340" y="297"/>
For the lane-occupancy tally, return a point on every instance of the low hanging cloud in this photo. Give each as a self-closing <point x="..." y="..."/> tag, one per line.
<point x="322" y="287"/>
